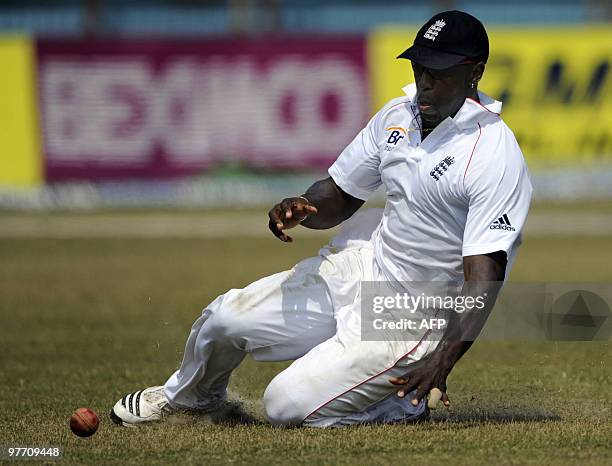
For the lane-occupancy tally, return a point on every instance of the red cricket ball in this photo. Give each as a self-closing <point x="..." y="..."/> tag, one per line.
<point x="84" y="422"/>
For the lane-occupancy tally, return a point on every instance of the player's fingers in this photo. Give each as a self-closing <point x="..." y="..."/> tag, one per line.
<point x="409" y="388"/>
<point x="398" y="381"/>
<point x="418" y="396"/>
<point x="274" y="229"/>
<point x="411" y="384"/>
<point x="408" y="384"/>
<point x="275" y="216"/>
<point x="312" y="210"/>
<point x="306" y="209"/>
<point x="445" y="400"/>
<point x="286" y="208"/>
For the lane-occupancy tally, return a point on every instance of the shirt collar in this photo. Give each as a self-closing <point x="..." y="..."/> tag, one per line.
<point x="471" y="111"/>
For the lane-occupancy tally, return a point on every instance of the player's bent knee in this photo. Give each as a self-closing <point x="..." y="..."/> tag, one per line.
<point x="224" y="320"/>
<point x="220" y="323"/>
<point x="280" y="408"/>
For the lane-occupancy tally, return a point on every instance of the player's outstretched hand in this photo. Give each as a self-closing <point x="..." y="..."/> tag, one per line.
<point x="430" y="376"/>
<point x="289" y="213"/>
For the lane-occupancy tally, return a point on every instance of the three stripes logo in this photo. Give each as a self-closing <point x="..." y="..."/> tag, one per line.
<point x="502" y="223"/>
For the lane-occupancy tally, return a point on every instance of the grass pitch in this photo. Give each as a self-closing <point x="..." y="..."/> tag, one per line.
<point x="86" y="320"/>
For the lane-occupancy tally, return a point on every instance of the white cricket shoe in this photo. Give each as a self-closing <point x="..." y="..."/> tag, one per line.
<point x="146" y="405"/>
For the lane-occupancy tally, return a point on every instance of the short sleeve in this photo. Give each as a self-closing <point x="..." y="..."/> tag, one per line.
<point x="499" y="192"/>
<point x="356" y="171"/>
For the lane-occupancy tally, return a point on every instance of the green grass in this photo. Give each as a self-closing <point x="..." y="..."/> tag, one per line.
<point x="85" y="321"/>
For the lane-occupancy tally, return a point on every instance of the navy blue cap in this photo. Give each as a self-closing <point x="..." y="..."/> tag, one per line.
<point x="447" y="39"/>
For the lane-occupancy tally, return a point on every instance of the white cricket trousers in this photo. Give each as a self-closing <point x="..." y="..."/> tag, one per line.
<point x="310" y="314"/>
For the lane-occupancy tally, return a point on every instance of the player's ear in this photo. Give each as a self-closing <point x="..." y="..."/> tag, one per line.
<point x="477" y="72"/>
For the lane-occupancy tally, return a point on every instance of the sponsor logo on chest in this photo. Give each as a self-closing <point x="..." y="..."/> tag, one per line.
<point x="397" y="133"/>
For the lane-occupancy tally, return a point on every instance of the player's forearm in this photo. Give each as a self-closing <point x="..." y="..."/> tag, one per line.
<point x="461" y="331"/>
<point x="484" y="276"/>
<point x="333" y="205"/>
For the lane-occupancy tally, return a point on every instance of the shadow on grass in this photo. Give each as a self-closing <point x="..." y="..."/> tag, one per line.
<point x="233" y="413"/>
<point x="230" y="414"/>
<point x="495" y="415"/>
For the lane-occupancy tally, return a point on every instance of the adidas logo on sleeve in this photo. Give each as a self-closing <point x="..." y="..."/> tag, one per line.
<point x="502" y="223"/>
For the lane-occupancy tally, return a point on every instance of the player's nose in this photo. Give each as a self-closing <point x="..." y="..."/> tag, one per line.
<point x="425" y="81"/>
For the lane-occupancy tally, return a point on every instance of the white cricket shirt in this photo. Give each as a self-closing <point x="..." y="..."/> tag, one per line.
<point x="462" y="191"/>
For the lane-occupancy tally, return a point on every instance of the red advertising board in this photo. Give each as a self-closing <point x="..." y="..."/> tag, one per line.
<point x="119" y="109"/>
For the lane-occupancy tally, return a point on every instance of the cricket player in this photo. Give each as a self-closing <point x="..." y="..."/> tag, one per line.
<point x="457" y="195"/>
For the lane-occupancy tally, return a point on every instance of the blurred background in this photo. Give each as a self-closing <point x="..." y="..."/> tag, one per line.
<point x="112" y="104"/>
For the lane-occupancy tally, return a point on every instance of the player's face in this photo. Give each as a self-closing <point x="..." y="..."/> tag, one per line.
<point x="441" y="93"/>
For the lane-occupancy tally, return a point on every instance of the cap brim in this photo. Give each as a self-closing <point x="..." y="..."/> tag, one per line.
<point x="431" y="58"/>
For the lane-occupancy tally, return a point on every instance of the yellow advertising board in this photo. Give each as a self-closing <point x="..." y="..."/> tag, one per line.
<point x="555" y="83"/>
<point x="20" y="155"/>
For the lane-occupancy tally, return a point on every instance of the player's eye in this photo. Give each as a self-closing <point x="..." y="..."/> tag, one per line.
<point x="434" y="74"/>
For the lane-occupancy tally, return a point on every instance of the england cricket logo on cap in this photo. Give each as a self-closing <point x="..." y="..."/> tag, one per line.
<point x="434" y="30"/>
